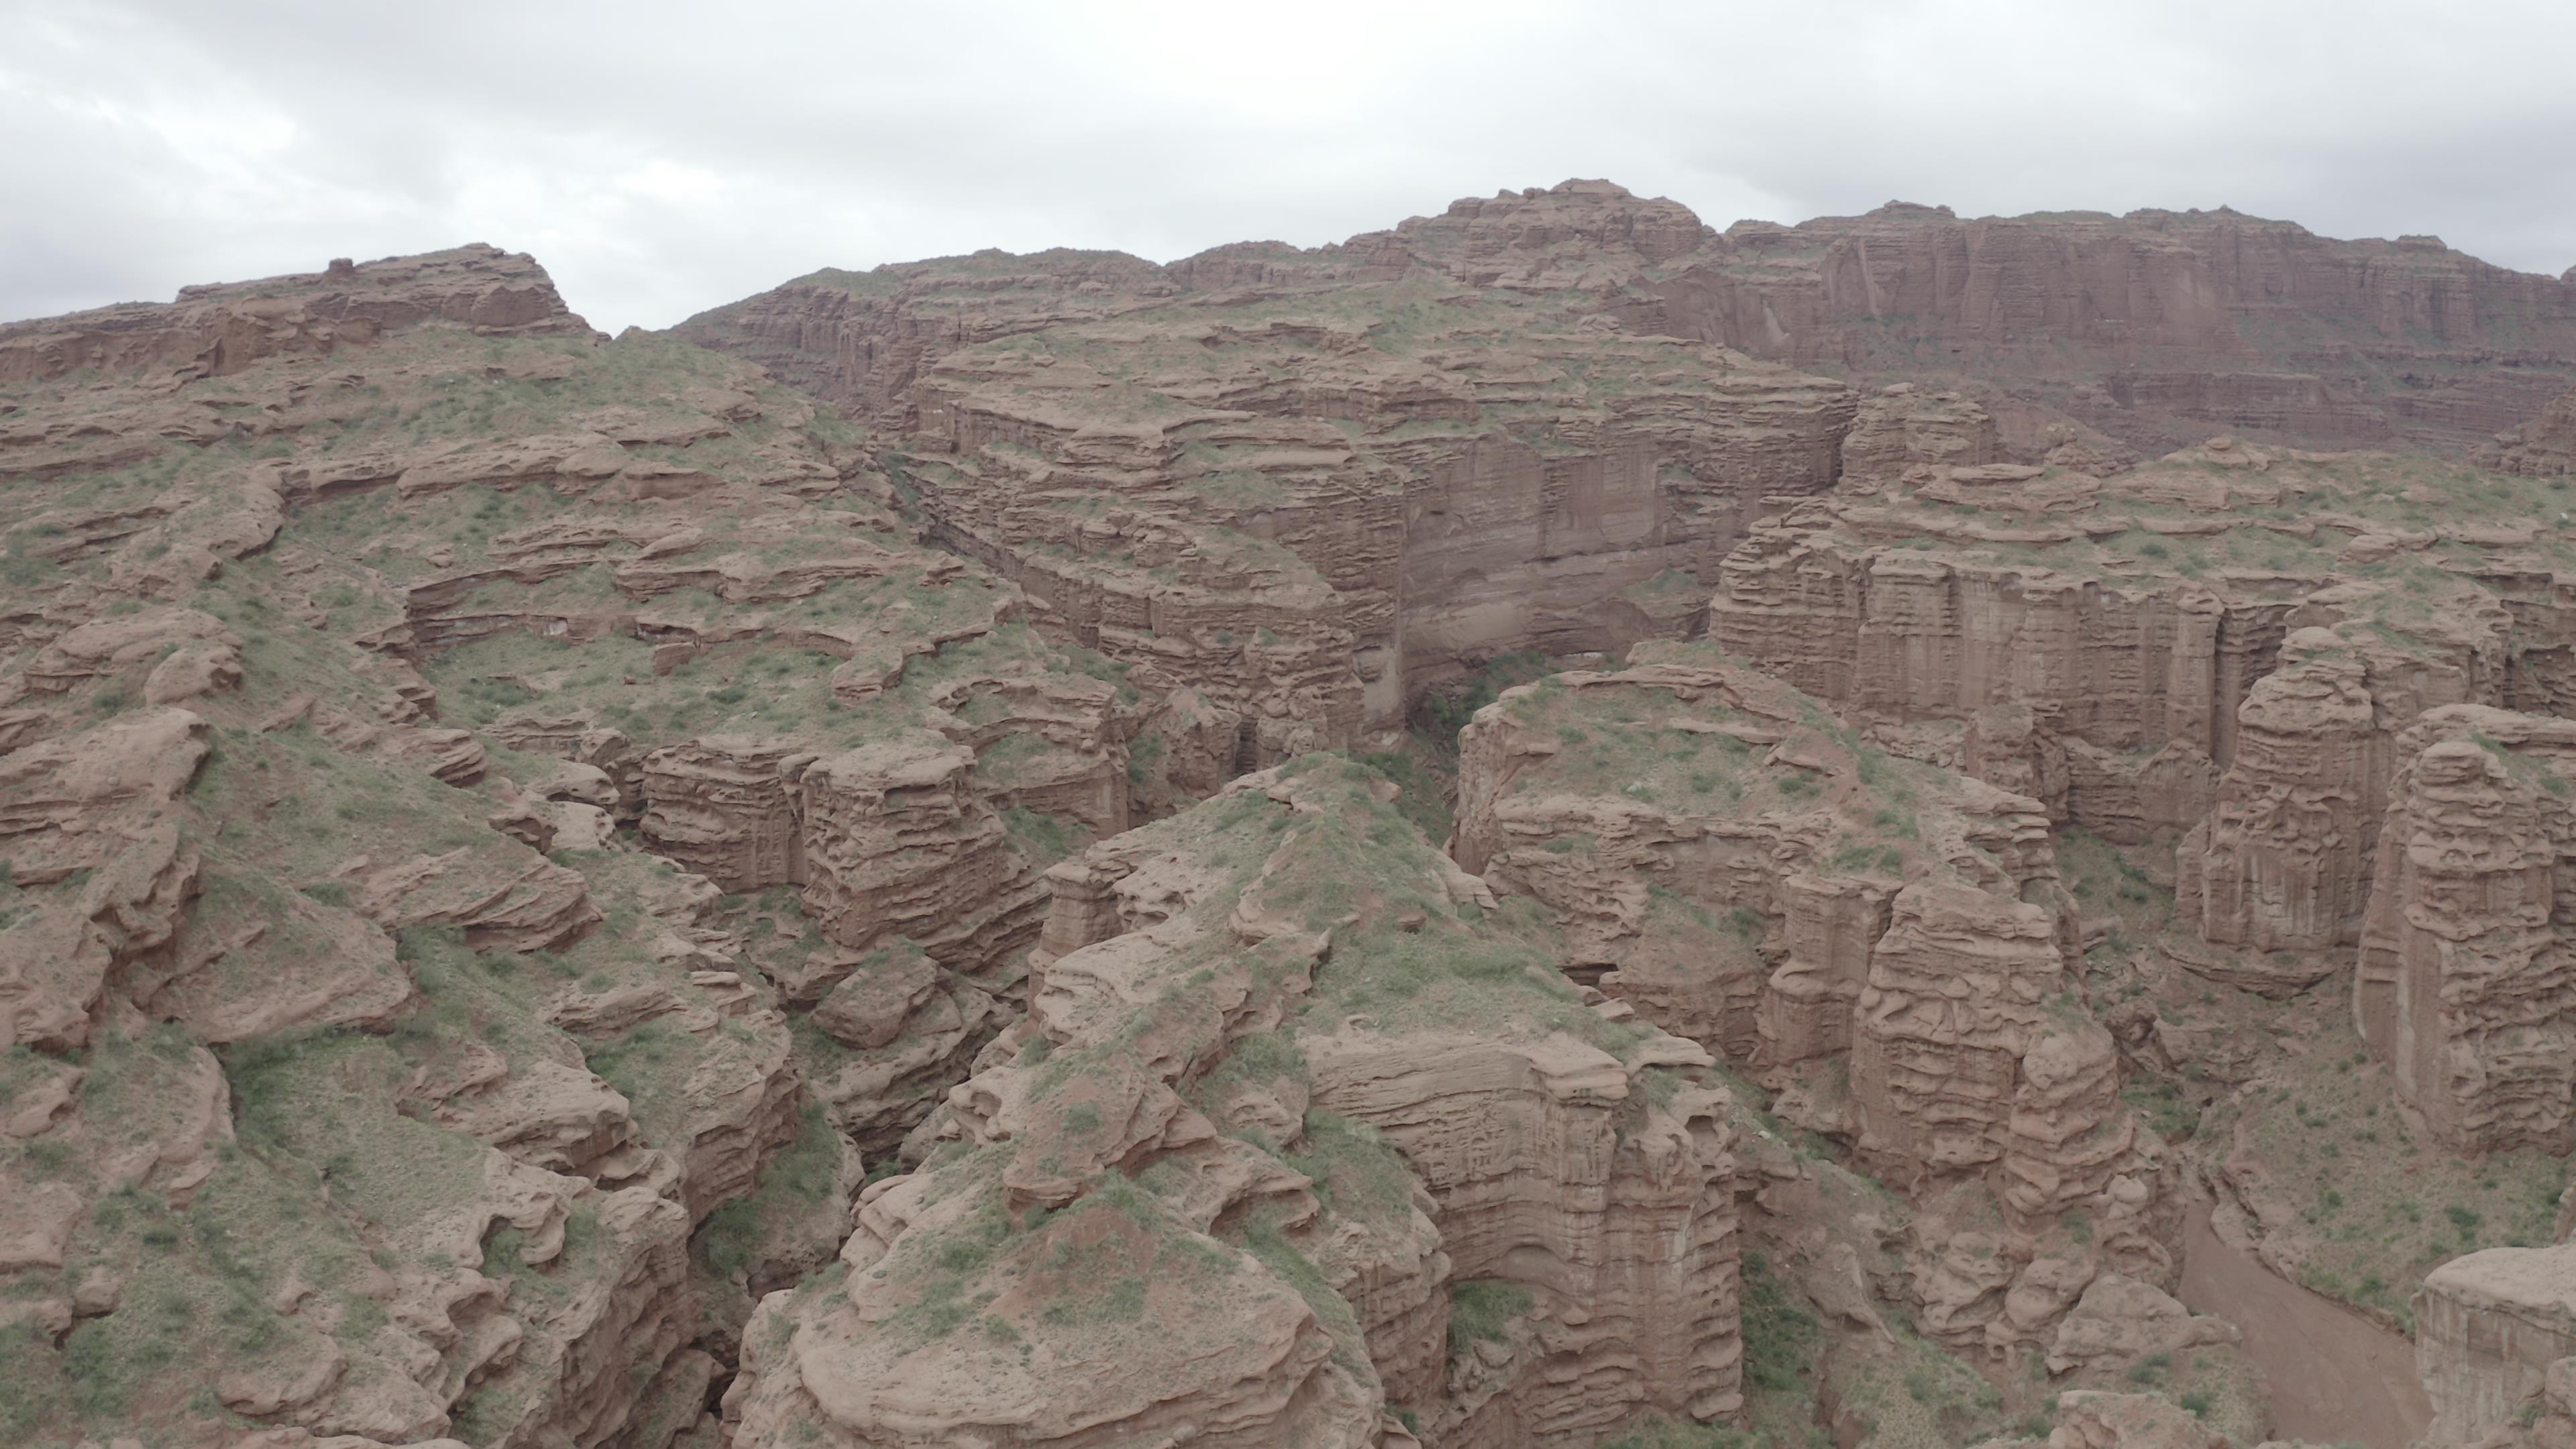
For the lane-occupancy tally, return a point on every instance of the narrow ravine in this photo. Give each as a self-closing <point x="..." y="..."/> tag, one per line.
<point x="2336" y="1377"/>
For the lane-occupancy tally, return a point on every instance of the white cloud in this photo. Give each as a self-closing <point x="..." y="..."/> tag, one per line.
<point x="662" y="157"/>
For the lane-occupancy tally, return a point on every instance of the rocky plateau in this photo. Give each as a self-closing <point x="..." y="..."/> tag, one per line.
<point x="1548" y="828"/>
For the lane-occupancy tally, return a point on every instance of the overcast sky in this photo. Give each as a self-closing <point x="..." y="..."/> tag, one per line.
<point x="661" y="157"/>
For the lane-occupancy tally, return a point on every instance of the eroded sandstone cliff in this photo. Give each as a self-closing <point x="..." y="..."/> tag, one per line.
<point x="521" y="848"/>
<point x="1285" y="1090"/>
<point x="1886" y="943"/>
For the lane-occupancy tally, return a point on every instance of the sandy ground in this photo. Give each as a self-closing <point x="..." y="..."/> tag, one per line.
<point x="2336" y="1376"/>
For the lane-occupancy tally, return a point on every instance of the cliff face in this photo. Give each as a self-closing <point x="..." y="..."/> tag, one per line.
<point x="2498" y="1331"/>
<point x="1310" y="507"/>
<point x="2544" y="447"/>
<point x="2156" y="326"/>
<point x="1246" y="1207"/>
<point x="2462" y="983"/>
<point x="1884" y="942"/>
<point x="505" y="830"/>
<point x="2100" y="641"/>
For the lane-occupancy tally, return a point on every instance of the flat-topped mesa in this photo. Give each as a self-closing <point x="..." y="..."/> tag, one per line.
<point x="218" y="329"/>
<point x="860" y="339"/>
<point x="1724" y="857"/>
<point x="2152" y="328"/>
<point x="1283" y="1089"/>
<point x="2155" y="327"/>
<point x="2464" y="984"/>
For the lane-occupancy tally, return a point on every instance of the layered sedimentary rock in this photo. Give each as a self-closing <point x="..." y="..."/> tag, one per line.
<point x="1309" y="485"/>
<point x="2465" y="983"/>
<point x="1308" y="529"/>
<point x="2545" y="447"/>
<point x="2099" y="642"/>
<point x="1719" y="855"/>
<point x="2495" y="1332"/>
<point x="1628" y="1237"/>
<point x="2282" y="862"/>
<point x="224" y="328"/>
<point x="1129" y="1117"/>
<point x="1904" y="426"/>
<point x="901" y="847"/>
<point x="2154" y="326"/>
<point x="507" y="829"/>
<point x="281" y="946"/>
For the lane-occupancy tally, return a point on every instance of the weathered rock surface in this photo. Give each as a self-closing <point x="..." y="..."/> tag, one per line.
<point x="1099" y="1117"/>
<point x="2543" y="448"/>
<point x="2491" y="1325"/>
<point x="331" y="1104"/>
<point x="1885" y="942"/>
<point x="1274" y="493"/>
<point x="219" y="329"/>
<point x="2464" y="984"/>
<point x="505" y="830"/>
<point x="2140" y="324"/>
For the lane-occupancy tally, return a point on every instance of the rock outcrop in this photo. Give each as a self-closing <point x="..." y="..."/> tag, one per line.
<point x="280" y="944"/>
<point x="517" y="846"/>
<point x="2142" y="325"/>
<point x="2543" y="448"/>
<point x="215" y="330"/>
<point x="1884" y="942"/>
<point x="2495" y="1332"/>
<point x="2464" y="984"/>
<point x="1177" y="1203"/>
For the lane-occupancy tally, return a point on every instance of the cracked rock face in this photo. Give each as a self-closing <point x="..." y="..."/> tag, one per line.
<point x="2463" y="983"/>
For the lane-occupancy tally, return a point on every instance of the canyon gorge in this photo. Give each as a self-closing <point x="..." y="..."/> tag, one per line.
<point x="1552" y="827"/>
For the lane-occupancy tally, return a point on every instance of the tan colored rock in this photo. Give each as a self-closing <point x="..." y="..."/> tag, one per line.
<point x="2284" y="861"/>
<point x="1903" y="427"/>
<point x="504" y="896"/>
<point x="547" y="1115"/>
<point x="1658" y="1251"/>
<point x="215" y="330"/>
<point x="2461" y="985"/>
<point x="2489" y="1326"/>
<point x="265" y="1390"/>
<point x="104" y="801"/>
<point x="1049" y="743"/>
<point x="118" y="642"/>
<point x="1895" y="634"/>
<point x="898" y="845"/>
<point x="727" y="807"/>
<point x="879" y="1095"/>
<point x="2091" y="1419"/>
<point x="2019" y="300"/>
<point x="2543" y="447"/>
<point x="2120" y="1321"/>
<point x="867" y="1009"/>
